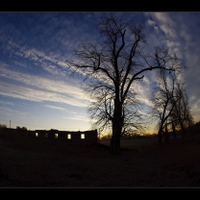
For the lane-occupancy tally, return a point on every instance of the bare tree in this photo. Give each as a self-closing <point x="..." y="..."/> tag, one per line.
<point x="181" y="115"/>
<point x="171" y="106"/>
<point x="102" y="109"/>
<point x="164" y="99"/>
<point x="112" y="66"/>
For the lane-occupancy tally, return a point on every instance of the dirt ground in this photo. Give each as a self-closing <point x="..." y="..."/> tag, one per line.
<point x="28" y="163"/>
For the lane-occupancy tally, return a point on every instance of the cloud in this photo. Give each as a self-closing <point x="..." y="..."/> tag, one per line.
<point x="163" y="17"/>
<point x="8" y="111"/>
<point x="55" y="107"/>
<point x="78" y="117"/>
<point x="171" y="30"/>
<point x="150" y="22"/>
<point x="143" y="89"/>
<point x="6" y="103"/>
<point x="73" y="97"/>
<point x="42" y="84"/>
<point x="49" y="32"/>
<point x="43" y="42"/>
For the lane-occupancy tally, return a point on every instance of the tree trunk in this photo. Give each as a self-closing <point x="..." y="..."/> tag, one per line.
<point x="115" y="144"/>
<point x="160" y="132"/>
<point x="116" y="128"/>
<point x="160" y="136"/>
<point x="174" y="129"/>
<point x="166" y="134"/>
<point x="182" y="129"/>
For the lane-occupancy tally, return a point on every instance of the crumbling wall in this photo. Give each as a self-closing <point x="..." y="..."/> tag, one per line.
<point x="67" y="136"/>
<point x="79" y="137"/>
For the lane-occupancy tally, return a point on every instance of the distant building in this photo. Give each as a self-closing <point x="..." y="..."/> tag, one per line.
<point x="81" y="137"/>
<point x="85" y="137"/>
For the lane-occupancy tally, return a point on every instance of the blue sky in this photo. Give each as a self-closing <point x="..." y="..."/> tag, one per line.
<point x="36" y="89"/>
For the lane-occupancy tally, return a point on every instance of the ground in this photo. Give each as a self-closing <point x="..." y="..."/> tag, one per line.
<point x="142" y="163"/>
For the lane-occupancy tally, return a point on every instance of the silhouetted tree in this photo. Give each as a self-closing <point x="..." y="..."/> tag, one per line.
<point x="181" y="115"/>
<point x="3" y="126"/>
<point x="171" y="105"/>
<point x="113" y="65"/>
<point x="102" y="109"/>
<point x="164" y="99"/>
<point x="21" y="128"/>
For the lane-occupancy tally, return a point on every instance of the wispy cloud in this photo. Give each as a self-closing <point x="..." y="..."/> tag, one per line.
<point x="55" y="107"/>
<point x="6" y="103"/>
<point x="37" y="88"/>
<point x="78" y="117"/>
<point x="38" y="95"/>
<point x="8" y="111"/>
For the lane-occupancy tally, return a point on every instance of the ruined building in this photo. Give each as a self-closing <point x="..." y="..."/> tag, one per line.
<point x="78" y="137"/>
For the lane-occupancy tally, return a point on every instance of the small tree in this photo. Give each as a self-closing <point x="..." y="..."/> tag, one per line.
<point x="164" y="99"/>
<point x="181" y="115"/>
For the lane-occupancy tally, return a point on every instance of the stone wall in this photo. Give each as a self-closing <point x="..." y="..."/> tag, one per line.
<point x="84" y="137"/>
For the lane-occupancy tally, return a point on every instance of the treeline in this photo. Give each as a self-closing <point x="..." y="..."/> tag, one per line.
<point x="3" y="126"/>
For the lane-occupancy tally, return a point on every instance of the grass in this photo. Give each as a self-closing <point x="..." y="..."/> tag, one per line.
<point x="28" y="163"/>
<point x="133" y="143"/>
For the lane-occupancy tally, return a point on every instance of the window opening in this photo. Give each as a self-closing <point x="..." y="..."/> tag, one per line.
<point x="82" y="136"/>
<point x="69" y="137"/>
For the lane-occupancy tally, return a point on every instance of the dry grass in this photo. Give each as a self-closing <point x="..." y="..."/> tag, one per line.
<point x="28" y="163"/>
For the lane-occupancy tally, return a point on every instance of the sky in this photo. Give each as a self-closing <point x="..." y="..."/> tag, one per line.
<point x="37" y="89"/>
